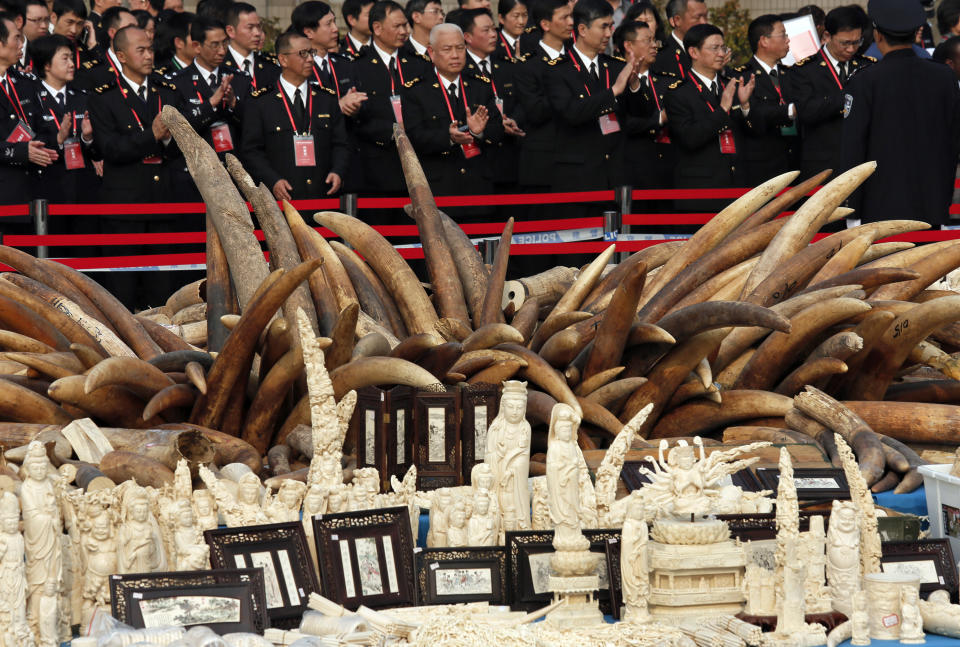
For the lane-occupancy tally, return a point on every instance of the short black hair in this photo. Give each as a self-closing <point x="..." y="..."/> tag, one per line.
<point x="215" y="9"/>
<point x="642" y="6"/>
<point x="699" y="33"/>
<point x="201" y="25"/>
<point x="418" y="6"/>
<point x="586" y="11"/>
<point x="846" y="18"/>
<point x="677" y="7"/>
<point x="43" y="49"/>
<point x="761" y="27"/>
<point x="283" y="41"/>
<point x="236" y="10"/>
<point x="171" y="26"/>
<point x="815" y="12"/>
<point x="76" y="7"/>
<point x="466" y="18"/>
<point x="308" y="15"/>
<point x="111" y="17"/>
<point x="143" y="18"/>
<point x="948" y="15"/>
<point x="15" y="7"/>
<point x="121" y="37"/>
<point x="506" y="6"/>
<point x="544" y="9"/>
<point x="157" y="6"/>
<point x="353" y="8"/>
<point x="380" y="10"/>
<point x="946" y="50"/>
<point x="4" y="31"/>
<point x="626" y="31"/>
<point x="39" y="3"/>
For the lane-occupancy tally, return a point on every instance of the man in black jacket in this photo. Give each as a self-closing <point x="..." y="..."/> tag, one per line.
<point x="673" y="59"/>
<point x="904" y="113"/>
<point x="818" y="86"/>
<point x="773" y="130"/>
<point x="707" y="117"/>
<point x="294" y="139"/>
<point x="245" y="31"/>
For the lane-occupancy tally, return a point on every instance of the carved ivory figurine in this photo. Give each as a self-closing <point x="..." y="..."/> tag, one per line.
<point x="140" y="548"/>
<point x="245" y="509"/>
<point x="192" y="553"/>
<point x="635" y="565"/>
<point x="939" y="616"/>
<point x="860" y="620"/>
<point x="482" y="527"/>
<point x="14" y="630"/>
<point x="508" y="454"/>
<point x="206" y="509"/>
<point x="565" y="465"/>
<point x="42" y="528"/>
<point x="911" y="623"/>
<point x="482" y="482"/>
<point x="99" y="545"/>
<point x="843" y="555"/>
<point x="457" y="524"/>
<point x="285" y="506"/>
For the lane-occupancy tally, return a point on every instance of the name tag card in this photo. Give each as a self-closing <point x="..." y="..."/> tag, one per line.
<point x="220" y="134"/>
<point x="73" y="154"/>
<point x="303" y="150"/>
<point x="22" y="133"/>
<point x="609" y="124"/>
<point x="727" y="144"/>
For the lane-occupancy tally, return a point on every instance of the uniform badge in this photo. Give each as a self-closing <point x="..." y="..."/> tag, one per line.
<point x="847" y="105"/>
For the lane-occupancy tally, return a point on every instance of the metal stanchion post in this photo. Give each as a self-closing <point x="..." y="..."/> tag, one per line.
<point x="488" y="249"/>
<point x="348" y="204"/>
<point x="611" y="227"/>
<point x="38" y="212"/>
<point x="625" y="202"/>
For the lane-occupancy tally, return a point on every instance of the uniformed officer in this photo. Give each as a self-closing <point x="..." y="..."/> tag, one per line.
<point x="817" y="85"/>
<point x="245" y="31"/>
<point x="904" y="113"/>
<point x="138" y="152"/>
<point x="356" y="15"/>
<point x="453" y="121"/>
<point x="106" y="69"/>
<point x="69" y="18"/>
<point x="585" y="90"/>
<point x="64" y="125"/>
<point x="513" y="16"/>
<point x="423" y="16"/>
<point x="173" y="49"/>
<point x="294" y="139"/>
<point x="384" y="74"/>
<point x="19" y="147"/>
<point x="707" y="117"/>
<point x="673" y="59"/>
<point x="484" y="63"/>
<point x="36" y="24"/>
<point x="773" y="131"/>
<point x="97" y="10"/>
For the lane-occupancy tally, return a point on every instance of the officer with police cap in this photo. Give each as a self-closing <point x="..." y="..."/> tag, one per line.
<point x="903" y="112"/>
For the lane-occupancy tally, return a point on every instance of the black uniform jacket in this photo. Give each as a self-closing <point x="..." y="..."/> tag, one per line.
<point x="55" y="182"/>
<point x="268" y="145"/>
<point x="194" y="95"/>
<point x="537" y="120"/>
<point x="14" y="157"/>
<point x="265" y="71"/>
<point x="650" y="157"/>
<point x="766" y="147"/>
<point x="819" y="99"/>
<point x="503" y="82"/>
<point x="339" y="75"/>
<point x="672" y="60"/>
<point x="904" y="112"/>
<point x="122" y="129"/>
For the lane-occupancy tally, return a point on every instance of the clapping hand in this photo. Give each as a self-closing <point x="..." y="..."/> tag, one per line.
<point x="477" y="121"/>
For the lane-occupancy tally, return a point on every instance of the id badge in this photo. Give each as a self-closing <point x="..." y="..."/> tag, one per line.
<point x="303" y="150"/>
<point x="499" y="103"/>
<point x="220" y="134"/>
<point x="397" y="108"/>
<point x="470" y="150"/>
<point x="663" y="137"/>
<point x="609" y="124"/>
<point x="727" y="144"/>
<point x="153" y="159"/>
<point x="73" y="154"/>
<point x="22" y="133"/>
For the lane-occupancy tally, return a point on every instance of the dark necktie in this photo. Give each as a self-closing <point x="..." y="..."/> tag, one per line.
<point x="246" y="65"/>
<point x="485" y="67"/>
<point x="298" y="108"/>
<point x="593" y="70"/>
<point x="324" y="72"/>
<point x="142" y="93"/>
<point x="213" y="81"/>
<point x="644" y="83"/>
<point x="393" y="70"/>
<point x="61" y="101"/>
<point x="452" y="93"/>
<point x="843" y="73"/>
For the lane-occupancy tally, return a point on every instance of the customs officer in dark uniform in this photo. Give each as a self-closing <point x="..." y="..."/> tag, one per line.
<point x="294" y="138"/>
<point x="673" y="59"/>
<point x="904" y="113"/>
<point x="106" y="69"/>
<point x="245" y="31"/>
<point x="818" y="83"/>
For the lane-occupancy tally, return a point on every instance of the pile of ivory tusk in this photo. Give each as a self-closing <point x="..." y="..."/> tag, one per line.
<point x="747" y="331"/>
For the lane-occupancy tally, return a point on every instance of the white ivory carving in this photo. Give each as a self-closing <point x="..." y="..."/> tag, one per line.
<point x="440" y="500"/>
<point x="329" y="419"/>
<point x="813" y="554"/>
<point x="191" y="553"/>
<point x="843" y="556"/>
<point x="42" y="528"/>
<point x="911" y="623"/>
<point x="314" y="503"/>
<point x="14" y="629"/>
<point x="140" y="545"/>
<point x="338" y="499"/>
<point x="405" y="493"/>
<point x="457" y="524"/>
<point x="540" y="504"/>
<point x="285" y="505"/>
<point x="482" y="482"/>
<point x="787" y="520"/>
<point x="588" y="501"/>
<point x="939" y="616"/>
<point x="97" y="519"/>
<point x="860" y="621"/>
<point x="242" y="510"/>
<point x="508" y="454"/>
<point x="608" y="474"/>
<point x="870" y="551"/>
<point x="205" y="508"/>
<point x="365" y="486"/>
<point x="955" y="470"/>
<point x="760" y="587"/>
<point x="884" y="603"/>
<point x="635" y="566"/>
<point x="482" y="529"/>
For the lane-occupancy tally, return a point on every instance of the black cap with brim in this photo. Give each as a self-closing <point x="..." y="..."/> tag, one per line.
<point x="896" y="16"/>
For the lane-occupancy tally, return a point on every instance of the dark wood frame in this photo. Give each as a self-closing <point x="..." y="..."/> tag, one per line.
<point x="616" y="578"/>
<point x="633" y="480"/>
<point x="437" y="474"/>
<point x="758" y="526"/>
<point x="432" y="560"/>
<point x="331" y="530"/>
<point x="520" y="545"/>
<point x="399" y="407"/>
<point x="936" y="550"/>
<point x="770" y="476"/>
<point x="228" y="543"/>
<point x="245" y="584"/>
<point x="471" y="397"/>
<point x="370" y="399"/>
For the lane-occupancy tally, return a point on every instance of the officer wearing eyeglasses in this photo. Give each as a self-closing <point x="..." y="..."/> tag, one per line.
<point x="818" y="86"/>
<point x="904" y="113"/>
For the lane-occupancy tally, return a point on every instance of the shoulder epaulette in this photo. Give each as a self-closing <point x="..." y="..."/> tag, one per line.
<point x="480" y="77"/>
<point x="618" y="58"/>
<point x="803" y="61"/>
<point x="90" y="64"/>
<point x="870" y="58"/>
<point x="554" y="61"/>
<point x="409" y="84"/>
<point x="740" y="68"/>
<point x="529" y="29"/>
<point x="676" y="84"/>
<point x="260" y="91"/>
<point x="103" y="88"/>
<point x="330" y="90"/>
<point x="269" y="56"/>
<point x="170" y="86"/>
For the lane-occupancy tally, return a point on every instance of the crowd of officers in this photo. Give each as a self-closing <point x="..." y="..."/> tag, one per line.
<point x="548" y="95"/>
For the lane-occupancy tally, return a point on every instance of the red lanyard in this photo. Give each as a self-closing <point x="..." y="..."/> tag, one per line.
<point x="779" y="93"/>
<point x="17" y="108"/>
<point x="113" y="67"/>
<point x="573" y="59"/>
<point x="463" y="95"/>
<point x="833" y="72"/>
<point x="506" y="45"/>
<point x="700" y="88"/>
<point x="350" y="45"/>
<point x="679" y="64"/>
<point x="393" y="90"/>
<point x="283" y="96"/>
<point x="654" y="91"/>
<point x="123" y="91"/>
<point x="57" y="121"/>
<point x="333" y="73"/>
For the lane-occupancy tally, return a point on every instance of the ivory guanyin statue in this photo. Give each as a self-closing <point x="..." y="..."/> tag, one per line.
<point x="14" y="629"/>
<point x="285" y="506"/>
<point x="245" y="508"/>
<point x="191" y="552"/>
<point x="508" y="455"/>
<point x="205" y="508"/>
<point x="140" y="548"/>
<point x="635" y="565"/>
<point x="482" y="529"/>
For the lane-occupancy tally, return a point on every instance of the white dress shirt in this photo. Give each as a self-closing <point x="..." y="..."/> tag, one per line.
<point x="552" y="53"/>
